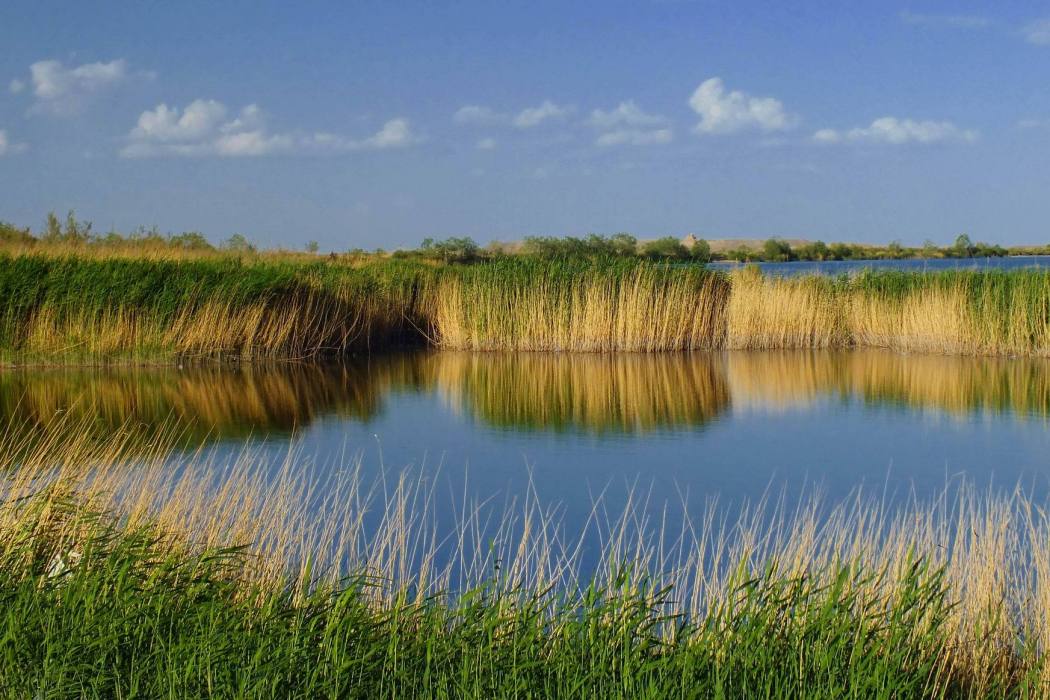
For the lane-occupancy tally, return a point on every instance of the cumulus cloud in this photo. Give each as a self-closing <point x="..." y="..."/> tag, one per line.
<point x="724" y="112"/>
<point x="396" y="133"/>
<point x="480" y="115"/>
<point x="61" y="91"/>
<point x="477" y="114"/>
<point x="486" y="144"/>
<point x="534" y="116"/>
<point x="7" y="147"/>
<point x="630" y="125"/>
<point x="954" y="21"/>
<point x="165" y="124"/>
<point x="1037" y="32"/>
<point x="896" y="131"/>
<point x="204" y="128"/>
<point x="625" y="114"/>
<point x="16" y="86"/>
<point x="635" y="137"/>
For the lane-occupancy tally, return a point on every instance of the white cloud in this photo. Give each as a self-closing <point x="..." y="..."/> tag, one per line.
<point x="165" y="124"/>
<point x="896" y="131"/>
<point x="480" y="115"/>
<point x="635" y="137"/>
<point x="955" y="21"/>
<point x="534" y="116"/>
<point x="62" y="91"/>
<point x="396" y="133"/>
<point x="722" y="113"/>
<point x="16" y="86"/>
<point x="1038" y="32"/>
<point x="486" y="144"/>
<point x="625" y="114"/>
<point x="203" y="129"/>
<point x="477" y="114"/>
<point x="7" y="147"/>
<point x="827" y="136"/>
<point x="629" y="125"/>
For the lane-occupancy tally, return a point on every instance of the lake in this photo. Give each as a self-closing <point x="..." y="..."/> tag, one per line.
<point x="731" y="426"/>
<point x="841" y="267"/>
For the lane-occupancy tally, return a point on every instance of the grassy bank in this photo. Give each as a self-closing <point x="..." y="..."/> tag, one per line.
<point x="76" y="308"/>
<point x="126" y="578"/>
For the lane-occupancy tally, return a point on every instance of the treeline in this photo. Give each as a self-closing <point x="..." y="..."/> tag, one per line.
<point x="620" y="245"/>
<point x="73" y="232"/>
<point x="779" y="250"/>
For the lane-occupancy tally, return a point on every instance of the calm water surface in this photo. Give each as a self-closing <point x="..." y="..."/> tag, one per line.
<point x="725" y="425"/>
<point x="839" y="267"/>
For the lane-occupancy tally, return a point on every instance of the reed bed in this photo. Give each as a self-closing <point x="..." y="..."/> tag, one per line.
<point x="92" y="309"/>
<point x="956" y="312"/>
<point x="580" y="307"/>
<point x="125" y="577"/>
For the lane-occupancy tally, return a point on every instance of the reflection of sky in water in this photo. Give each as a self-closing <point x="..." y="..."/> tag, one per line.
<point x="838" y="267"/>
<point x="725" y="425"/>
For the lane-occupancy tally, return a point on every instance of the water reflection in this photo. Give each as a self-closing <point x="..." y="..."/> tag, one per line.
<point x="588" y="394"/>
<point x="585" y="392"/>
<point x="954" y="385"/>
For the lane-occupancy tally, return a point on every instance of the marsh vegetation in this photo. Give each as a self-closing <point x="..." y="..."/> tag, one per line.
<point x="111" y="555"/>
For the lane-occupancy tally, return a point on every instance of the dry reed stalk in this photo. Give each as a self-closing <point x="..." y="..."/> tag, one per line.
<point x="643" y="311"/>
<point x="995" y="547"/>
<point x="776" y="313"/>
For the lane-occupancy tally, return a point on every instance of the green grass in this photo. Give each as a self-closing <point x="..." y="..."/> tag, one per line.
<point x="135" y="619"/>
<point x="81" y="308"/>
<point x="124" y="577"/>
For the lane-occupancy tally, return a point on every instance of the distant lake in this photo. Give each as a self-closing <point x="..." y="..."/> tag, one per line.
<point x="840" y="267"/>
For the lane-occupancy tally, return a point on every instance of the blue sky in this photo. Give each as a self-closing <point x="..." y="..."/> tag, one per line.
<point x="377" y="124"/>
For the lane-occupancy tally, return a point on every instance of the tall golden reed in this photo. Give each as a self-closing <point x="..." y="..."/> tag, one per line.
<point x="641" y="311"/>
<point x="994" y="547"/>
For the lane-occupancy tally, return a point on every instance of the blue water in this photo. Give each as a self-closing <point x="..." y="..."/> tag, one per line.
<point x="680" y="428"/>
<point x="847" y="267"/>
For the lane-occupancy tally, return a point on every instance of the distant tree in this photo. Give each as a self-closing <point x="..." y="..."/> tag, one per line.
<point x="964" y="247"/>
<point x="190" y="240"/>
<point x="984" y="250"/>
<point x="237" y="243"/>
<point x="930" y="249"/>
<point x="9" y="233"/>
<point x="701" y="251"/>
<point x="450" y="250"/>
<point x="667" y="248"/>
<point x="52" y="228"/>
<point x="841" y="251"/>
<point x="312" y="247"/>
<point x="895" y="250"/>
<point x="777" y="250"/>
<point x="624" y="244"/>
<point x="74" y="231"/>
<point x="817" y="250"/>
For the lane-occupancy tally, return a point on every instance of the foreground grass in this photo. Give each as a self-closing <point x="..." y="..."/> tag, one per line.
<point x="80" y="308"/>
<point x="125" y="577"/>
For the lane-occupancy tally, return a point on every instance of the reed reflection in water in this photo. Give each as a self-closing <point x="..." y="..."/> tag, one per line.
<point x="626" y="394"/>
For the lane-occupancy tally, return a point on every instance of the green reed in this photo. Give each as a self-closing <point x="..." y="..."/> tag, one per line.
<point x="133" y="617"/>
